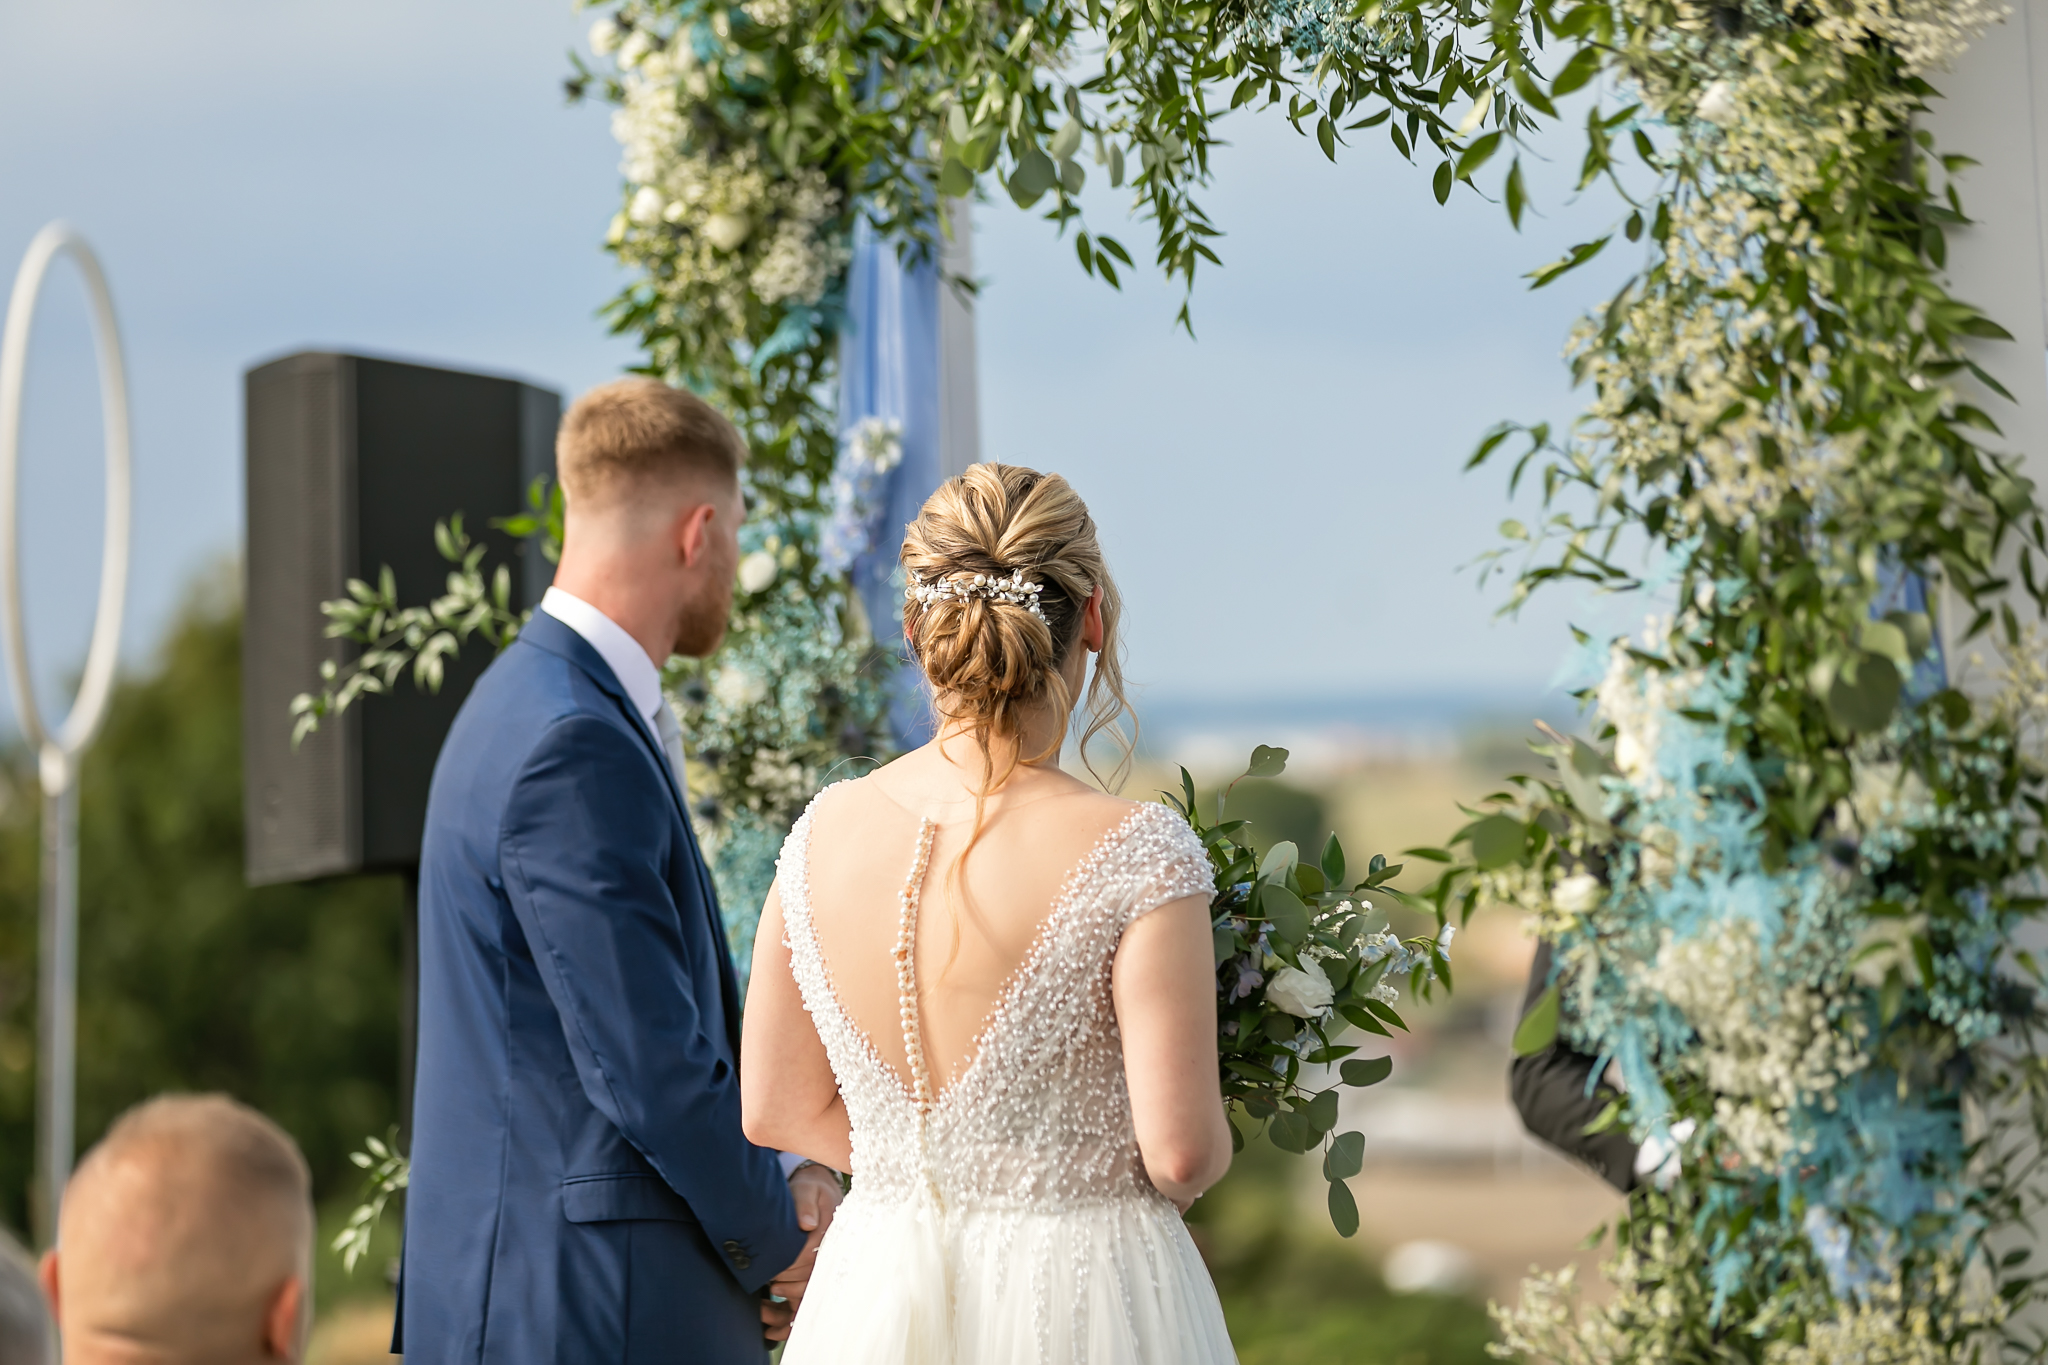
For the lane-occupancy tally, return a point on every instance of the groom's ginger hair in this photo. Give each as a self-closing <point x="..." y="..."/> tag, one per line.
<point x="623" y="436"/>
<point x="178" y="1231"/>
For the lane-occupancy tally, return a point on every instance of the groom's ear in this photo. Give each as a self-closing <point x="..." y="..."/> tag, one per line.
<point x="691" y="530"/>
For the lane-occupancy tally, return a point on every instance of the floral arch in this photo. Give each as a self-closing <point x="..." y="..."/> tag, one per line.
<point x="1785" y="877"/>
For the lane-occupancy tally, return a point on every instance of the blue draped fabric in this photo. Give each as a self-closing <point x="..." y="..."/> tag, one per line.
<point x="889" y="369"/>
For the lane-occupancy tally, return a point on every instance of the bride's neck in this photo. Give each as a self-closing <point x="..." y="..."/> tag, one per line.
<point x="1036" y="742"/>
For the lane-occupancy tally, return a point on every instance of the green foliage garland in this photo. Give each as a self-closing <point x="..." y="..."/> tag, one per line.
<point x="1782" y="895"/>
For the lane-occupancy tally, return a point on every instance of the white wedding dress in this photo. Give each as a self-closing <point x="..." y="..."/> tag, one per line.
<point x="1010" y="1220"/>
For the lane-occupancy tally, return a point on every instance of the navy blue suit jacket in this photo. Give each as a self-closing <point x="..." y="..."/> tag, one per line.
<point x="581" y="1191"/>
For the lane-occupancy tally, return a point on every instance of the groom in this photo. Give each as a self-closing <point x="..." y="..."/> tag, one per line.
<point x="581" y="1192"/>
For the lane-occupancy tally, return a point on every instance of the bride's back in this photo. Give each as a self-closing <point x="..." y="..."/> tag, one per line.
<point x="1023" y="1089"/>
<point x="978" y="917"/>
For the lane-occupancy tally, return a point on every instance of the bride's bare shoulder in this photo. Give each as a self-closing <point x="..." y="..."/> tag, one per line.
<point x="849" y="793"/>
<point x="1092" y="811"/>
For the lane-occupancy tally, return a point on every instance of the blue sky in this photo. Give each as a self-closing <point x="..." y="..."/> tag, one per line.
<point x="1281" y="497"/>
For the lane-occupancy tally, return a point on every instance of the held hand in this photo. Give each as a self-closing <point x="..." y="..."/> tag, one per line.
<point x="816" y="1192"/>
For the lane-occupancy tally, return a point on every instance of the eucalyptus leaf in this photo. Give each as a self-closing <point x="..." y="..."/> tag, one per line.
<point x="1289" y="1132"/>
<point x="1497" y="840"/>
<point x="1032" y="176"/>
<point x="1538" y="1029"/>
<point x="1284" y="911"/>
<point x="1887" y="639"/>
<point x="1343" y="1209"/>
<point x="1864" y="693"/>
<point x="1067" y="140"/>
<point x="1346" y="1156"/>
<point x="955" y="179"/>
<point x="1364" y="1071"/>
<point x="1266" y="761"/>
<point x="1918" y="628"/>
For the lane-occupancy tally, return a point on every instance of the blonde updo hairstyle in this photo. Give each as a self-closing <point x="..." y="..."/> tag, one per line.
<point x="986" y="658"/>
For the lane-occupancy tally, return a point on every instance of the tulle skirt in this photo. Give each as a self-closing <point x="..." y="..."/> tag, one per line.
<point x="1111" y="1283"/>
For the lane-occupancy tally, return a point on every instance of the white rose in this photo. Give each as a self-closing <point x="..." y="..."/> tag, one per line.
<point x="1303" y="994"/>
<point x="646" y="206"/>
<point x="727" y="230"/>
<point x="605" y="36"/>
<point x="739" y="686"/>
<point x="636" y="47"/>
<point x="757" y="571"/>
<point x="1577" y="894"/>
<point x="1717" y="105"/>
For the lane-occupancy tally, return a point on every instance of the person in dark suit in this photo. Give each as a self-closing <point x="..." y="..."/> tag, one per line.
<point x="1556" y="1096"/>
<point x="581" y="1191"/>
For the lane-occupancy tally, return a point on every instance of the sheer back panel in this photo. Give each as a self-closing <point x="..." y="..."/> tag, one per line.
<point x="1031" y="1110"/>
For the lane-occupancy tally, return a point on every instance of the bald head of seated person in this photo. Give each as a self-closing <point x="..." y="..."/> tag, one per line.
<point x="186" y="1235"/>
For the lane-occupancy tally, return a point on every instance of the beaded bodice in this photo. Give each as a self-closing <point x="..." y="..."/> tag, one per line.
<point x="1040" y="1118"/>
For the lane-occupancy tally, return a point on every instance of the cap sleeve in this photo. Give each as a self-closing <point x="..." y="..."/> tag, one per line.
<point x="1169" y="861"/>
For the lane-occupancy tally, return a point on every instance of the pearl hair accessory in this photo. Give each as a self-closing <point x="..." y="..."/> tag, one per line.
<point x="995" y="587"/>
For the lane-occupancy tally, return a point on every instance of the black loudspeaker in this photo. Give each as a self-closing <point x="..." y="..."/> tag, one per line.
<point x="350" y="462"/>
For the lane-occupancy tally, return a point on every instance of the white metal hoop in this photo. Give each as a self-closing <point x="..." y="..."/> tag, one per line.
<point x="88" y="709"/>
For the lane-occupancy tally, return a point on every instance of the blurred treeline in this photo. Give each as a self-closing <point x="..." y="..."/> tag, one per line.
<point x="1277" y="810"/>
<point x="285" y="997"/>
<point x="1294" y="1294"/>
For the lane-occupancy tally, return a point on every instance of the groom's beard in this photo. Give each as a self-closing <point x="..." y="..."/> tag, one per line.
<point x="702" y="625"/>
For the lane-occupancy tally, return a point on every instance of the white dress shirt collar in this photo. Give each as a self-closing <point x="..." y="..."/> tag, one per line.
<point x="629" y="663"/>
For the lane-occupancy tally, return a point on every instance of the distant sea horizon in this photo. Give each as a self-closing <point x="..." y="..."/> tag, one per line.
<point x="1331" y="728"/>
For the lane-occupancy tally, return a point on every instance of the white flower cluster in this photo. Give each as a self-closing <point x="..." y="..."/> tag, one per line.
<point x="1651" y="1314"/>
<point x="1927" y="34"/>
<point x="782" y="777"/>
<point x="771" y="13"/>
<point x="736" y="686"/>
<point x="729" y="227"/>
<point x="1733" y="404"/>
<point x="1884" y="795"/>
<point x="875" y="443"/>
<point x="1763" y="1057"/>
<point x="1638" y="702"/>
<point x="1881" y="1327"/>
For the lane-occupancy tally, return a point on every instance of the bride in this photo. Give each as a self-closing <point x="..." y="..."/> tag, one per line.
<point x="987" y="990"/>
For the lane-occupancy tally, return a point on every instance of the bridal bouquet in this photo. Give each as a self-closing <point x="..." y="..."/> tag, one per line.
<point x="1299" y="957"/>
